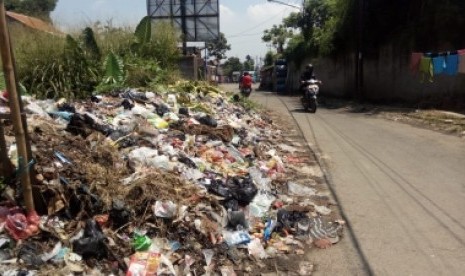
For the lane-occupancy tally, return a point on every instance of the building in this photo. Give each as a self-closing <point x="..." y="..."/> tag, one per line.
<point x="14" y="18"/>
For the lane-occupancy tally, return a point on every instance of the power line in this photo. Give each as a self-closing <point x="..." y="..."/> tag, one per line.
<point x="234" y="36"/>
<point x="261" y="23"/>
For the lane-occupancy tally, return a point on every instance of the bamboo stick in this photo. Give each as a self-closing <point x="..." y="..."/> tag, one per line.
<point x="15" y="109"/>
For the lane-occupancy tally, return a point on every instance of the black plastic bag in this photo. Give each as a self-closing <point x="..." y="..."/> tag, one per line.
<point x="243" y="189"/>
<point x="231" y="204"/>
<point x="187" y="161"/>
<point x="30" y="254"/>
<point x="119" y="214"/>
<point x="237" y="220"/>
<point x="217" y="187"/>
<point x="288" y="219"/>
<point x="84" y="124"/>
<point x="208" y="120"/>
<point x="67" y="107"/>
<point x="93" y="242"/>
<point x="161" y="109"/>
<point x="127" y="104"/>
<point x="135" y="96"/>
<point x="95" y="99"/>
<point x="184" y="111"/>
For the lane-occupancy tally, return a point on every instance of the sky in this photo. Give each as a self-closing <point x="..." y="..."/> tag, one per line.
<point x="242" y="21"/>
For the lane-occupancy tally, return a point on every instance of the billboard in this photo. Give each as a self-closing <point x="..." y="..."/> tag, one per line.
<point x="199" y="19"/>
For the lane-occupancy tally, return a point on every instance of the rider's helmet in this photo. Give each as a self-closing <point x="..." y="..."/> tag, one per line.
<point x="309" y="66"/>
<point x="246" y="73"/>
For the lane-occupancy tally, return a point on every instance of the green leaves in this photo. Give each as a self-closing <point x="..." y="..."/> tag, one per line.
<point x="143" y="31"/>
<point x="219" y="47"/>
<point x="2" y="81"/>
<point x="114" y="69"/>
<point x="90" y="44"/>
<point x="278" y="36"/>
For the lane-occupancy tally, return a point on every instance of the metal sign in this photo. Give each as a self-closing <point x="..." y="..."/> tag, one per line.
<point x="198" y="19"/>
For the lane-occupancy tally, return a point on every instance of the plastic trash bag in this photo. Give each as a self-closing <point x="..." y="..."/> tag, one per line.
<point x="184" y="111"/>
<point x="166" y="209"/>
<point x="261" y="204"/>
<point x="243" y="189"/>
<point x="236" y="237"/>
<point x="287" y="220"/>
<point x="207" y="120"/>
<point x="256" y="249"/>
<point x="29" y="253"/>
<point x="300" y="190"/>
<point x="119" y="214"/>
<point x="237" y="220"/>
<point x="93" y="242"/>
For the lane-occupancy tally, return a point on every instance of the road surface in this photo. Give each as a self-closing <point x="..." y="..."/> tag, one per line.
<point x="400" y="188"/>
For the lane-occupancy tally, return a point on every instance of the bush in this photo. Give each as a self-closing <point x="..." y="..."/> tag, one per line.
<point x="74" y="66"/>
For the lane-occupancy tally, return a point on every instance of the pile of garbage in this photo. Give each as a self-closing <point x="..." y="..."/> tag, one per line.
<point x="182" y="181"/>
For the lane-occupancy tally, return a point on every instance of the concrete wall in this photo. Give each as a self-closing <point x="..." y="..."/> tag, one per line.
<point x="386" y="79"/>
<point x="189" y="67"/>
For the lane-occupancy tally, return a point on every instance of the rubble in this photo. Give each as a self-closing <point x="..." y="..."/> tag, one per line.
<point x="178" y="182"/>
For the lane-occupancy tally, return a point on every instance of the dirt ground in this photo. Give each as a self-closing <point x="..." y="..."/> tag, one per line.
<point x="446" y="122"/>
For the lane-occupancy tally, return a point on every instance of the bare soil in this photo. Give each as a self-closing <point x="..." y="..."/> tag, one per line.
<point x="448" y="122"/>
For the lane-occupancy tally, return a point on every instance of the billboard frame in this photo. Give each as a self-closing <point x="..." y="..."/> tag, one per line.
<point x="199" y="14"/>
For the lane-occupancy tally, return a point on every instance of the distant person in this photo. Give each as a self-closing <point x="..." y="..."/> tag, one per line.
<point x="306" y="75"/>
<point x="246" y="81"/>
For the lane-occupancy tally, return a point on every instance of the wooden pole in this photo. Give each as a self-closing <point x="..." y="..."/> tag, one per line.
<point x="14" y="99"/>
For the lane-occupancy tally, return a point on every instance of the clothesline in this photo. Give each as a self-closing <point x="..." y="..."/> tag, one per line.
<point x="432" y="64"/>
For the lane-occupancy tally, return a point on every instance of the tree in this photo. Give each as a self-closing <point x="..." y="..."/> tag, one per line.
<point x="269" y="58"/>
<point x="38" y="8"/>
<point x="249" y="63"/>
<point x="231" y="65"/>
<point x="219" y="47"/>
<point x="278" y="35"/>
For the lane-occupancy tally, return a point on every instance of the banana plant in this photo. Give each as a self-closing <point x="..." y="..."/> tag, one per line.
<point x="114" y="69"/>
<point x="143" y="31"/>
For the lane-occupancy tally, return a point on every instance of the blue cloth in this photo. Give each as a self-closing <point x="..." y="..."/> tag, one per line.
<point x="438" y="65"/>
<point x="452" y="64"/>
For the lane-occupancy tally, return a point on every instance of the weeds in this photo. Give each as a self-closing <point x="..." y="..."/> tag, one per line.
<point x="102" y="58"/>
<point x="2" y="81"/>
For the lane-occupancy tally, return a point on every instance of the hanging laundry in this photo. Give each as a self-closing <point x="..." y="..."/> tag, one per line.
<point x="415" y="59"/>
<point x="452" y="64"/>
<point x="439" y="63"/>
<point x="461" y="68"/>
<point x="426" y="68"/>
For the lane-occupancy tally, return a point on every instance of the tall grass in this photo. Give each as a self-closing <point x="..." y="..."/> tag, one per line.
<point x="73" y="66"/>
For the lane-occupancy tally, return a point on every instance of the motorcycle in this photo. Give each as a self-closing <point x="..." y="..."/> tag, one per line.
<point x="245" y="91"/>
<point x="309" y="99"/>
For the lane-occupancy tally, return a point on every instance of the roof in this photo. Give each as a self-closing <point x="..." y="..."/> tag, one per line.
<point x="33" y="23"/>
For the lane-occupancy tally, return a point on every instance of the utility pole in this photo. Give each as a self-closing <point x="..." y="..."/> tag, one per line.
<point x="184" y="27"/>
<point x="15" y="109"/>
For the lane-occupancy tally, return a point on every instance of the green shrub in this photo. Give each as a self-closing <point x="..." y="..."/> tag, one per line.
<point x="102" y="58"/>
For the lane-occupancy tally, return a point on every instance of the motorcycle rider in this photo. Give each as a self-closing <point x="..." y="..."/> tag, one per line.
<point x="246" y="81"/>
<point x="305" y="76"/>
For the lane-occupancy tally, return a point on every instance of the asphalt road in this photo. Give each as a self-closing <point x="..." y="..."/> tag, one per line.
<point x="400" y="188"/>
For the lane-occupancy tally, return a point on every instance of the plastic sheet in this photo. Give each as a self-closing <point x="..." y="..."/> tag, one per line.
<point x="236" y="237"/>
<point x="165" y="209"/>
<point x="300" y="190"/>
<point x="256" y="249"/>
